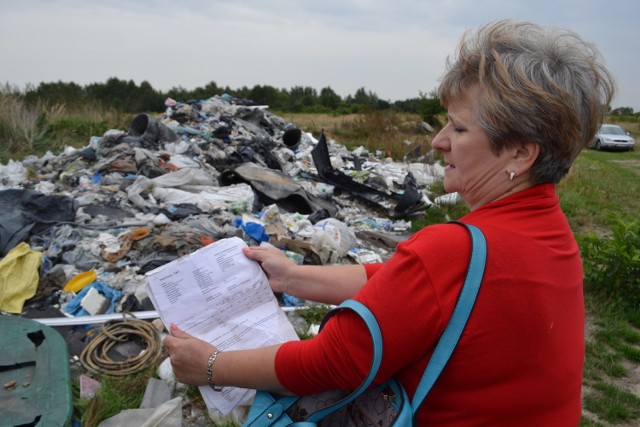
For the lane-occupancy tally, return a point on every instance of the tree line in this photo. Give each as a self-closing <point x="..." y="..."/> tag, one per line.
<point x="128" y="97"/>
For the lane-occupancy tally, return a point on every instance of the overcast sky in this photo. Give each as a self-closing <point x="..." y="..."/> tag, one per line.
<point x="395" y="49"/>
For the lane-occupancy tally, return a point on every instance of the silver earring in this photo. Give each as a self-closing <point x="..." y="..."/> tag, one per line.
<point x="512" y="175"/>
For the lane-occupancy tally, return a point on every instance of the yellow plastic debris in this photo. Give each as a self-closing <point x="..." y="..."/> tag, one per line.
<point x="19" y="274"/>
<point x="80" y="281"/>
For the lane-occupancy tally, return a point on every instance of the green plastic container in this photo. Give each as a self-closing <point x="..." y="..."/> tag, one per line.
<point x="35" y="356"/>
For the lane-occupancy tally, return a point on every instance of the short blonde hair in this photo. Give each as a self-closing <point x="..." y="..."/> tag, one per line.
<point x="548" y="86"/>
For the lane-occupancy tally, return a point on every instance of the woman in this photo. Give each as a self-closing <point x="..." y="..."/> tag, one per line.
<point x="522" y="103"/>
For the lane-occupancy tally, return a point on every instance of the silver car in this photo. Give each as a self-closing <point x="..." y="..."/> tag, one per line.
<point x="612" y="137"/>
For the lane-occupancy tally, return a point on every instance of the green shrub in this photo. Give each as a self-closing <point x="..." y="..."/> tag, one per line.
<point x="612" y="263"/>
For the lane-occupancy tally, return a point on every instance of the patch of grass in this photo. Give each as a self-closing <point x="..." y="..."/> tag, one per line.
<point x="615" y="338"/>
<point x="612" y="404"/>
<point x="601" y="362"/>
<point x="115" y="395"/>
<point x="73" y="131"/>
<point x="438" y="214"/>
<point x="587" y="422"/>
<point x="392" y="133"/>
<point x="315" y="123"/>
<point x="313" y="315"/>
<point x="21" y="125"/>
<point x="633" y="317"/>
<point x="598" y="176"/>
<point x="27" y="129"/>
<point x="599" y="184"/>
<point x="613" y="345"/>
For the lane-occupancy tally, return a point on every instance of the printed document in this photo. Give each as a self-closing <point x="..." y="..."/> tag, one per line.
<point x="219" y="295"/>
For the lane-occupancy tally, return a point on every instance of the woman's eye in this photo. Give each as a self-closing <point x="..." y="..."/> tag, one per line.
<point x="458" y="130"/>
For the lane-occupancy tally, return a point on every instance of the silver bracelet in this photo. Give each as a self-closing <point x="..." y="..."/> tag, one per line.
<point x="212" y="359"/>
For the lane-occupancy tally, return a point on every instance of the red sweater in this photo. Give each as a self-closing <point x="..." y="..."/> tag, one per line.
<point x="519" y="361"/>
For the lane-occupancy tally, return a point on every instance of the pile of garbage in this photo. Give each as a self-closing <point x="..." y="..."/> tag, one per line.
<point x="78" y="231"/>
<point x="133" y="200"/>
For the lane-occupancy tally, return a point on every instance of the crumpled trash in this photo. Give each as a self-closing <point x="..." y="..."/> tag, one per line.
<point x="193" y="186"/>
<point x="13" y="173"/>
<point x="88" y="387"/>
<point x="169" y="414"/>
<point x="253" y="229"/>
<point x="165" y="373"/>
<point x="151" y="130"/>
<point x="18" y="277"/>
<point x="78" y="282"/>
<point x="156" y="393"/>
<point x="330" y="238"/>
<point x="74" y="307"/>
<point x="124" y="243"/>
<point x="291" y="301"/>
<point x="362" y="256"/>
<point x="448" y="199"/>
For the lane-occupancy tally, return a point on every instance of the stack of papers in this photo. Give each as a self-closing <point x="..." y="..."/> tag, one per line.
<point x="219" y="295"/>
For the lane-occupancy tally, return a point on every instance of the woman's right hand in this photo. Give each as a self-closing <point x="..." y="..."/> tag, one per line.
<point x="327" y="284"/>
<point x="275" y="263"/>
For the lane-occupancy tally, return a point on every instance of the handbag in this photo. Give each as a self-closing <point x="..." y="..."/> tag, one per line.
<point x="386" y="404"/>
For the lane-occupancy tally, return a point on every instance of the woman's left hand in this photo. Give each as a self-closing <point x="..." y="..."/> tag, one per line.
<point x="189" y="356"/>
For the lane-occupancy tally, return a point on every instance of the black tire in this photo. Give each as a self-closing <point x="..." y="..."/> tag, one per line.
<point x="598" y="145"/>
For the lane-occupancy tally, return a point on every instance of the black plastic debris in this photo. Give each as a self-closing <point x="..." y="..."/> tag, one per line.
<point x="406" y="203"/>
<point x="24" y="213"/>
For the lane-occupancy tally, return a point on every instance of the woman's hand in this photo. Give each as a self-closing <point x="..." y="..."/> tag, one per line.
<point x="325" y="284"/>
<point x="275" y="263"/>
<point x="189" y="356"/>
<point x="253" y="368"/>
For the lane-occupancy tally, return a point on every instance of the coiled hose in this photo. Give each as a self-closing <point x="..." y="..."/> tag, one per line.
<point x="96" y="357"/>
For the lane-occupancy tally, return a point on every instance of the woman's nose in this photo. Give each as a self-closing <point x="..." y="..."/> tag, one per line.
<point x="439" y="142"/>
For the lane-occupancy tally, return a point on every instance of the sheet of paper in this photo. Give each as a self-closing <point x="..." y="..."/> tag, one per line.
<point x="219" y="295"/>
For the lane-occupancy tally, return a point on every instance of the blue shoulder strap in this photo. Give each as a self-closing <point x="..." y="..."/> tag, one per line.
<point x="459" y="318"/>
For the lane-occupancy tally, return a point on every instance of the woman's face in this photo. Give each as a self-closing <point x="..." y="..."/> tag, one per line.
<point x="472" y="168"/>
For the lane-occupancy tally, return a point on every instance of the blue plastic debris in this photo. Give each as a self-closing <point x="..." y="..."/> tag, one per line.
<point x="253" y="230"/>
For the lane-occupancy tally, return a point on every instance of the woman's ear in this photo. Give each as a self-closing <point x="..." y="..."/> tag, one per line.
<point x="524" y="154"/>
